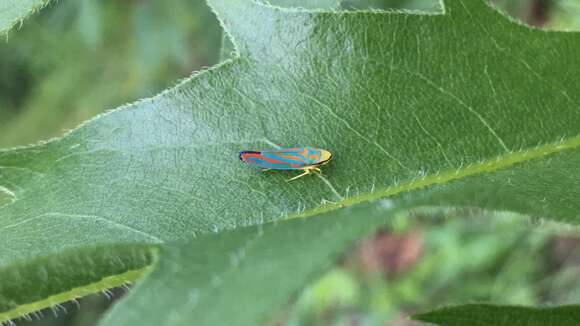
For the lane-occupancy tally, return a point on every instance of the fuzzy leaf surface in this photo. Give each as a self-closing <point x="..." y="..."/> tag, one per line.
<point x="467" y="104"/>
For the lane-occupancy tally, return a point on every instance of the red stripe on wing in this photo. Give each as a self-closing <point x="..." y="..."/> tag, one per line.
<point x="245" y="156"/>
<point x="298" y="160"/>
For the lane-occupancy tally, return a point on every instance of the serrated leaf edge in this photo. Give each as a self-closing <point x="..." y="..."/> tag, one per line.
<point x="75" y="293"/>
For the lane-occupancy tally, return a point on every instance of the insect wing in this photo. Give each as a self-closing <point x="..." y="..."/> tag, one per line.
<point x="283" y="159"/>
<point x="309" y="156"/>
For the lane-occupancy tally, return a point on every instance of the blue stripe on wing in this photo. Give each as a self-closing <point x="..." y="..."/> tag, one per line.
<point x="290" y="152"/>
<point x="270" y="165"/>
<point x="278" y="156"/>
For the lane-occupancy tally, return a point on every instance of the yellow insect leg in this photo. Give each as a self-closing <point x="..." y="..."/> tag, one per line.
<point x="306" y="172"/>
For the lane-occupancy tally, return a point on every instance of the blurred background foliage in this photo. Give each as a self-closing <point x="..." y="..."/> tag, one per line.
<point x="79" y="58"/>
<point x="432" y="258"/>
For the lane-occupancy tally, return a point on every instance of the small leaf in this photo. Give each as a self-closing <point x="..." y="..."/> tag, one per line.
<point x="47" y="281"/>
<point x="487" y="314"/>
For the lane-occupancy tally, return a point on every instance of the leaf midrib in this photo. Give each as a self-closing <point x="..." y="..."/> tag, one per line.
<point x="501" y="162"/>
<point x="487" y="166"/>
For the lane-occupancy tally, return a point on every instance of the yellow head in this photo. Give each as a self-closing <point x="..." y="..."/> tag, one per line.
<point x="325" y="157"/>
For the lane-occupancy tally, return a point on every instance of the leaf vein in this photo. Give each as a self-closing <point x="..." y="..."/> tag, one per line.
<point x="465" y="105"/>
<point x="124" y="226"/>
<point x="357" y="133"/>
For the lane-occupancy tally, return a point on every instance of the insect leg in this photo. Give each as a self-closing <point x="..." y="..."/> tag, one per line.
<point x="317" y="170"/>
<point x="306" y="172"/>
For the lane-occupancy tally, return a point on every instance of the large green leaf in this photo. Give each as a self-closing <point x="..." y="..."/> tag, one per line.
<point x="251" y="273"/>
<point x="483" y="110"/>
<point x="242" y="277"/>
<point x="14" y="11"/>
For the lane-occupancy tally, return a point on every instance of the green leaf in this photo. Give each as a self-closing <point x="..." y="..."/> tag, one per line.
<point x="13" y="12"/>
<point x="473" y="107"/>
<point x="253" y="272"/>
<point x="242" y="277"/>
<point x="228" y="48"/>
<point x="486" y="314"/>
<point x="31" y="285"/>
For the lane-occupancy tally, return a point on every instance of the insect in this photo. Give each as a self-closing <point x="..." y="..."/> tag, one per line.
<point x="307" y="159"/>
